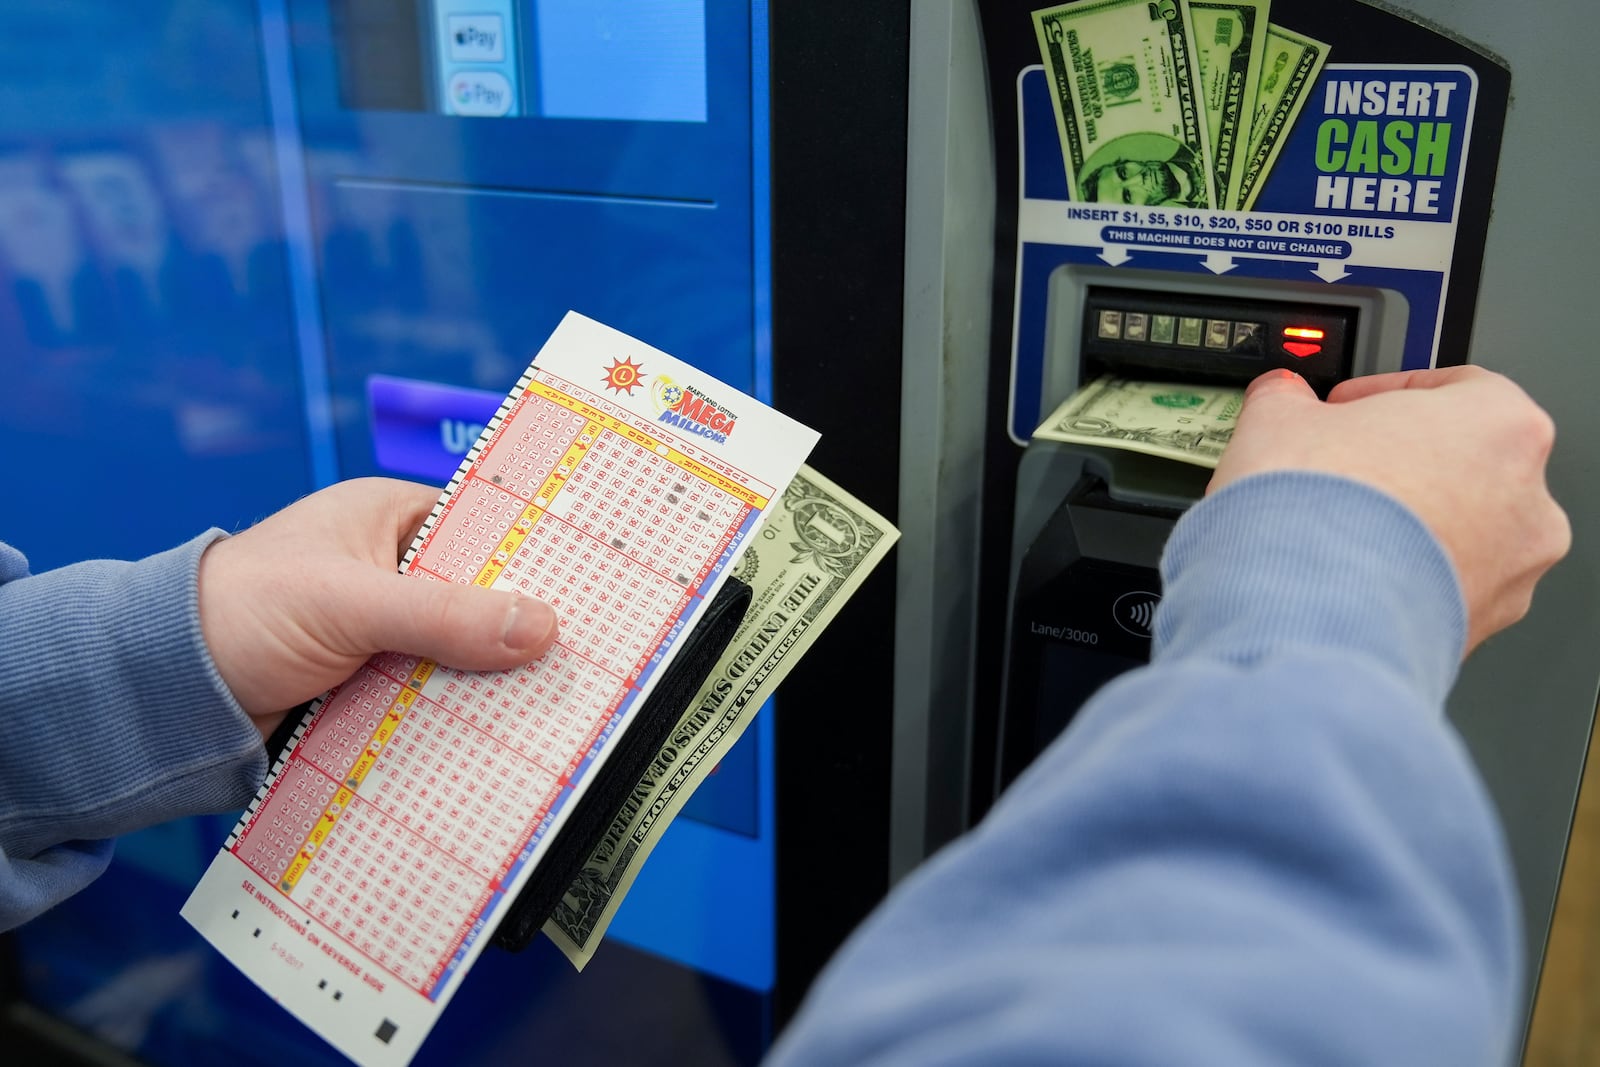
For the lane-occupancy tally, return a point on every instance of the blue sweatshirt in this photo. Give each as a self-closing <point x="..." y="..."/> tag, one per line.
<point x="1267" y="847"/>
<point x="112" y="718"/>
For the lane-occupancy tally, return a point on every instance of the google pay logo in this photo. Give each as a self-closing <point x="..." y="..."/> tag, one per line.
<point x="480" y="92"/>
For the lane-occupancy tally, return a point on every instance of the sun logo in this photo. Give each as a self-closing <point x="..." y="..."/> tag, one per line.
<point x="624" y="376"/>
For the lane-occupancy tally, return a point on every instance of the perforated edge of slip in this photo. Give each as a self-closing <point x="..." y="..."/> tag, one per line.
<point x="490" y="429"/>
<point x="272" y="776"/>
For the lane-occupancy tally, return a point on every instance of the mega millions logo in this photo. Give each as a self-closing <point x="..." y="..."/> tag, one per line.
<point x="690" y="410"/>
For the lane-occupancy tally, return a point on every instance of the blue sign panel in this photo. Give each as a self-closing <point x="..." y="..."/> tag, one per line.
<point x="1362" y="191"/>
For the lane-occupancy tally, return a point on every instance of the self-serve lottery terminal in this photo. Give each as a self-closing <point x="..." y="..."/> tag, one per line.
<point x="1315" y="200"/>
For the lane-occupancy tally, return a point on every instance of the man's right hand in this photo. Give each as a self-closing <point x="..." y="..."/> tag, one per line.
<point x="1464" y="448"/>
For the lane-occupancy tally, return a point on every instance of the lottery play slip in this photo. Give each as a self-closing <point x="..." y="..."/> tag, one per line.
<point x="616" y="483"/>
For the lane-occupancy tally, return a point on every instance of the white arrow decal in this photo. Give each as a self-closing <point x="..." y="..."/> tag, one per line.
<point x="1218" y="262"/>
<point x="1331" y="271"/>
<point x="1115" y="255"/>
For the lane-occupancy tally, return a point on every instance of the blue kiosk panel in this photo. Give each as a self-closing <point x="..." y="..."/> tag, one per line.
<point x="250" y="249"/>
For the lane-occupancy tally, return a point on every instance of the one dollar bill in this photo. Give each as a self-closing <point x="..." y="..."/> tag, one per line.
<point x="1289" y="71"/>
<point x="1230" y="41"/>
<point x="813" y="552"/>
<point x="1192" y="423"/>
<point x="1123" y="78"/>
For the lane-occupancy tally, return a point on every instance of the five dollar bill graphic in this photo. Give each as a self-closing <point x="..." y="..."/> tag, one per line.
<point x="813" y="552"/>
<point x="1177" y="102"/>
<point x="1122" y="84"/>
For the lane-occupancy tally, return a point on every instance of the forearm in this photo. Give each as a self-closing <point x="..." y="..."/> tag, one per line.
<point x="1267" y="847"/>
<point x="115" y="717"/>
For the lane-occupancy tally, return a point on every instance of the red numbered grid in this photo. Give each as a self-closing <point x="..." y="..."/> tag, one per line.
<point x="679" y="537"/>
<point x="461" y="791"/>
<point x="549" y="720"/>
<point x="611" y="608"/>
<point x="469" y="531"/>
<point x="346" y="722"/>
<point x="527" y="446"/>
<point x="280" y="825"/>
<point x="479" y="759"/>
<point x="399" y="901"/>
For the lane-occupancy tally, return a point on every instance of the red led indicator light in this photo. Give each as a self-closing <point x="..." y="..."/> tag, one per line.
<point x="1306" y="333"/>
<point x="1301" y="348"/>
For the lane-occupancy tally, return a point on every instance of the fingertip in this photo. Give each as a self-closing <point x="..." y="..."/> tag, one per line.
<point x="1280" y="381"/>
<point x="530" y="627"/>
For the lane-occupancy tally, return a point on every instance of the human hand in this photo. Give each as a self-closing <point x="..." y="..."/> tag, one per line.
<point x="1464" y="448"/>
<point x="295" y="604"/>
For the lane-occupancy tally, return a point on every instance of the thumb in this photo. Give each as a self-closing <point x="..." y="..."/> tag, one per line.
<point x="1273" y="399"/>
<point x="458" y="625"/>
<point x="1276" y="386"/>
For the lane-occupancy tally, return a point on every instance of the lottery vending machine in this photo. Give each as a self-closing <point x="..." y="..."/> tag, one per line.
<point x="1163" y="200"/>
<point x="1345" y="180"/>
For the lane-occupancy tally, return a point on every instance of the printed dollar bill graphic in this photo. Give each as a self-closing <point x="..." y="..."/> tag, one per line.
<point x="1288" y="74"/>
<point x="1230" y="40"/>
<point x="1192" y="423"/>
<point x="1124" y="85"/>
<point x="1183" y="102"/>
<point x="815" y="549"/>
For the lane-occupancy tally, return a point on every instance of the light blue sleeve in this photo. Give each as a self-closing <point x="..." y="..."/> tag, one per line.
<point x="112" y="718"/>
<point x="1267" y="847"/>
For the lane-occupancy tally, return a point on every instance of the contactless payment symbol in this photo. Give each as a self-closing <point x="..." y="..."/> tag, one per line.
<point x="624" y="376"/>
<point x="1136" y="612"/>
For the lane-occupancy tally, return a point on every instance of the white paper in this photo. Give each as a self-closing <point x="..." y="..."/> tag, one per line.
<point x="616" y="483"/>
